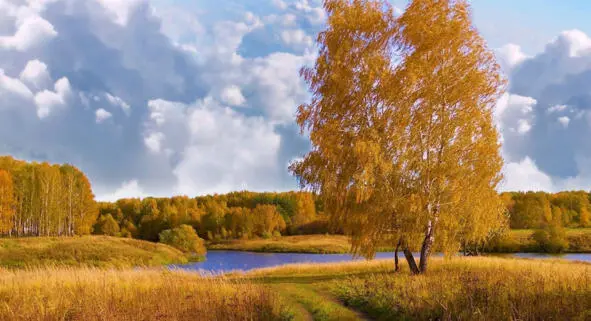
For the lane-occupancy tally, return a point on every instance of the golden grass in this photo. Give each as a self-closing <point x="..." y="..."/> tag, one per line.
<point x="474" y="289"/>
<point x="294" y="244"/>
<point x="90" y="251"/>
<point x="92" y="294"/>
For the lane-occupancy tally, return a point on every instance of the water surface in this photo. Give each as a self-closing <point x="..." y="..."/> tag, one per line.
<point x="225" y="261"/>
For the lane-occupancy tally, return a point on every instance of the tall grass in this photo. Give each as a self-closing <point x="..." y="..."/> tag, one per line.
<point x="475" y="289"/>
<point x="89" y="251"/>
<point x="92" y="294"/>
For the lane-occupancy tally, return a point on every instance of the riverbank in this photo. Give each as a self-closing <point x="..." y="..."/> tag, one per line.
<point x="515" y="241"/>
<point x="461" y="289"/>
<point x="85" y="251"/>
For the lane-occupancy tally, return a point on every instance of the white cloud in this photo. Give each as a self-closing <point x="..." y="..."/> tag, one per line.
<point x="47" y="100"/>
<point x="35" y="74"/>
<point x="557" y="108"/>
<point x="232" y="95"/>
<point x="226" y="148"/>
<point x="564" y="121"/>
<point x="523" y="126"/>
<point x="15" y="86"/>
<point x="32" y="30"/>
<point x="120" y="9"/>
<point x="510" y="55"/>
<point x="154" y="142"/>
<point x="102" y="115"/>
<point x="128" y="189"/>
<point x="575" y="42"/>
<point x="118" y="102"/>
<point x="525" y="176"/>
<point x="315" y="15"/>
<point x="296" y="37"/>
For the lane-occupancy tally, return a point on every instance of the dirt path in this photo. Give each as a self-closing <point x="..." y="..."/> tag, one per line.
<point x="317" y="303"/>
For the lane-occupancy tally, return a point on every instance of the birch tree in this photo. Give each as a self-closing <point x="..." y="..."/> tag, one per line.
<point x="400" y="120"/>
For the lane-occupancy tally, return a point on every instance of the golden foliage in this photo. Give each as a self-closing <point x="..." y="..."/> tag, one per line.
<point x="401" y="124"/>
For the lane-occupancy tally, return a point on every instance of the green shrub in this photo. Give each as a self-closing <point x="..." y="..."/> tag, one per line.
<point x="551" y="238"/>
<point x="183" y="238"/>
<point x="107" y="225"/>
<point x="266" y="235"/>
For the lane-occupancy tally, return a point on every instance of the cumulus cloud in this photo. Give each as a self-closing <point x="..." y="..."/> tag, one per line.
<point x="36" y="74"/>
<point x="14" y="86"/>
<point x="545" y="118"/>
<point x="226" y="148"/>
<point x="232" y="95"/>
<point x="128" y="189"/>
<point x="154" y="142"/>
<point x="102" y="115"/>
<point x="47" y="101"/>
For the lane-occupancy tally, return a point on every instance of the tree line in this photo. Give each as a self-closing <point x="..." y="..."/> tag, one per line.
<point x="214" y="217"/>
<point x="40" y="199"/>
<point x="529" y="210"/>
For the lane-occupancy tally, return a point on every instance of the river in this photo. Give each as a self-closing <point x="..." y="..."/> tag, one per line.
<point x="224" y="261"/>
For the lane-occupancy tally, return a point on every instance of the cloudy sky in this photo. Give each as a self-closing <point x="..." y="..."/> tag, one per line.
<point x="191" y="97"/>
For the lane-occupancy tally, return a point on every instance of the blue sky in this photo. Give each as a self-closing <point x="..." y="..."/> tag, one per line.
<point x="162" y="97"/>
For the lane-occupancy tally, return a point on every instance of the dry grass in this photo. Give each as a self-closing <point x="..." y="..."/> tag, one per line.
<point x="89" y="251"/>
<point x="293" y="244"/>
<point x="475" y="289"/>
<point x="92" y="294"/>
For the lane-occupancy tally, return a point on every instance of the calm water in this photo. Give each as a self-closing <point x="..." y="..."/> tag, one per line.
<point x="224" y="261"/>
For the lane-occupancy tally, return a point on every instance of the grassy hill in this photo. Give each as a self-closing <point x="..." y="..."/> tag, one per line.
<point x="89" y="251"/>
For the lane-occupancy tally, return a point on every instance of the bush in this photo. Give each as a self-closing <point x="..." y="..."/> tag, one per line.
<point x="185" y="239"/>
<point x="276" y="234"/>
<point x="107" y="225"/>
<point x="551" y="238"/>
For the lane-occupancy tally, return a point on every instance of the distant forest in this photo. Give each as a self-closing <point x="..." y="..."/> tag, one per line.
<point x="40" y="199"/>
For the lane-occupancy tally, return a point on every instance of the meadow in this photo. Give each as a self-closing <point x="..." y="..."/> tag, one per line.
<point x="473" y="288"/>
<point x="85" y="251"/>
<point x="514" y="241"/>
<point x="97" y="294"/>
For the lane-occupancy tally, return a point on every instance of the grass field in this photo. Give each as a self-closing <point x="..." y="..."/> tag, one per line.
<point x="515" y="241"/>
<point x="90" y="251"/>
<point x="92" y="294"/>
<point x="459" y="289"/>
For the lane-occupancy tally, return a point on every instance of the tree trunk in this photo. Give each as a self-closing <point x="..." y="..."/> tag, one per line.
<point x="396" y="266"/>
<point x="412" y="264"/>
<point x="426" y="248"/>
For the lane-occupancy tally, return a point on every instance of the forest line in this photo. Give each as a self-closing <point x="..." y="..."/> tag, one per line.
<point x="41" y="199"/>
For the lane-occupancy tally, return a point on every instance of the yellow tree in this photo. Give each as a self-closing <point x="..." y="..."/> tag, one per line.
<point x="7" y="202"/>
<point x="401" y="126"/>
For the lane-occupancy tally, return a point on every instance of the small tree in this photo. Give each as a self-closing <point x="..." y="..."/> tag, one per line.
<point x="551" y="238"/>
<point x="185" y="239"/>
<point x="107" y="225"/>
